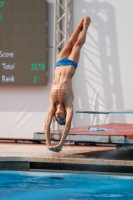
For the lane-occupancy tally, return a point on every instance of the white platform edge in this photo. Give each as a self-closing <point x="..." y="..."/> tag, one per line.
<point x="87" y="138"/>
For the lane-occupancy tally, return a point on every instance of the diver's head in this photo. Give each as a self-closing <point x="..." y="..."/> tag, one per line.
<point x="60" y="114"/>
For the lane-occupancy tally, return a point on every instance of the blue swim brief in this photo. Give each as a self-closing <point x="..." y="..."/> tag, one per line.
<point x="65" y="62"/>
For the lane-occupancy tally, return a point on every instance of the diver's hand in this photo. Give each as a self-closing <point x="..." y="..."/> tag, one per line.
<point x="56" y="148"/>
<point x="51" y="148"/>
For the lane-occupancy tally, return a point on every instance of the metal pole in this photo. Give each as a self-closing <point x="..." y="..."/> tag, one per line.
<point x="54" y="40"/>
<point x="66" y="20"/>
<point x="62" y="29"/>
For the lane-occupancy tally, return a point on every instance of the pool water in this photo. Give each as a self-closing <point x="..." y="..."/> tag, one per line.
<point x="64" y="186"/>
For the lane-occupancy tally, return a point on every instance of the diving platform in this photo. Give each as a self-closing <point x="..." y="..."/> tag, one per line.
<point x="129" y="111"/>
<point x="114" y="133"/>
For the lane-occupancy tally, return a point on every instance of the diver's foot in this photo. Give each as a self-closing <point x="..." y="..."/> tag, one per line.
<point x="81" y="24"/>
<point x="87" y="21"/>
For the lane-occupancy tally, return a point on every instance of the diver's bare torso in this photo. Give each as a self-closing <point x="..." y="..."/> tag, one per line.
<point x="61" y="91"/>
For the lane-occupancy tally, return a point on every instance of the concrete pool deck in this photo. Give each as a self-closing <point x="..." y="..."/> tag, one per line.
<point x="18" y="156"/>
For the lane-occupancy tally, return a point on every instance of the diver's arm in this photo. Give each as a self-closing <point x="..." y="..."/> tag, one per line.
<point x="66" y="129"/>
<point x="47" y="126"/>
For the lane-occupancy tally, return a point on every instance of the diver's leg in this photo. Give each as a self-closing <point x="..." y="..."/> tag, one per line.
<point x="66" y="51"/>
<point x="75" y="53"/>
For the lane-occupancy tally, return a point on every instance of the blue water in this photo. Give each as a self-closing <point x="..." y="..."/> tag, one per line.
<point x="64" y="186"/>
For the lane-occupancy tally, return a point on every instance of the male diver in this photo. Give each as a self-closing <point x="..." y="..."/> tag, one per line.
<point x="61" y="97"/>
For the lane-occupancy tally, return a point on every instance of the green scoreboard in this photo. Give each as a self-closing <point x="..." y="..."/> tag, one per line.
<point x="23" y="42"/>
